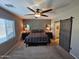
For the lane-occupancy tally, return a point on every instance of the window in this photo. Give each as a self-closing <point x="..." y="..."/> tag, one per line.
<point x="7" y="30"/>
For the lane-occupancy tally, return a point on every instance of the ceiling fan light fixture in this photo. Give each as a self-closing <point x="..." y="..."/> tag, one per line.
<point x="37" y="15"/>
<point x="38" y="12"/>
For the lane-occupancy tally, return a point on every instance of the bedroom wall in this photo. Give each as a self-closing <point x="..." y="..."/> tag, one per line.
<point x="10" y="43"/>
<point x="72" y="10"/>
<point x="37" y="23"/>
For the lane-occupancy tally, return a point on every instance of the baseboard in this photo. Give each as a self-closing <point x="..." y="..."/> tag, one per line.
<point x="64" y="53"/>
<point x="73" y="55"/>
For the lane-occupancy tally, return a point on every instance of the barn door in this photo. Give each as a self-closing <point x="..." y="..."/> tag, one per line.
<point x="65" y="33"/>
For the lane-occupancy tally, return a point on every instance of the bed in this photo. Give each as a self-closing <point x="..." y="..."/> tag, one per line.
<point x="37" y="37"/>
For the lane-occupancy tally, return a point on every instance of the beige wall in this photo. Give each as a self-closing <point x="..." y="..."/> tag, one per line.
<point x="10" y="43"/>
<point x="72" y="10"/>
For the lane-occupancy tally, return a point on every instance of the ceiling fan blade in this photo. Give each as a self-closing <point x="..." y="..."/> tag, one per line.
<point x="28" y="14"/>
<point x="30" y="9"/>
<point x="44" y="15"/>
<point x="47" y="10"/>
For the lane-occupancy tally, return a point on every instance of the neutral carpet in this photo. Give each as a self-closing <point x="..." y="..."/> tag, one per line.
<point x="38" y="52"/>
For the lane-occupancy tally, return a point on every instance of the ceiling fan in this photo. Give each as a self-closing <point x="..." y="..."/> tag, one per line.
<point x="38" y="12"/>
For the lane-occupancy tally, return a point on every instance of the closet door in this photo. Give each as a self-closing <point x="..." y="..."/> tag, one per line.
<point x="65" y="33"/>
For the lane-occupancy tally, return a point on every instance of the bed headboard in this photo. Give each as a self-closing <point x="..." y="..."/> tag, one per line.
<point x="37" y="30"/>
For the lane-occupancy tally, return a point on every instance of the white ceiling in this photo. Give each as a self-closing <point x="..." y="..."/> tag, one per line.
<point x="19" y="7"/>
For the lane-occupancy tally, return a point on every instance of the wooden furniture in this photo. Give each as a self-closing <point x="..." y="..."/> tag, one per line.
<point x="50" y="35"/>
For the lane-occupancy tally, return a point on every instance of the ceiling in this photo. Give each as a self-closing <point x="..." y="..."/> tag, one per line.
<point x="19" y="7"/>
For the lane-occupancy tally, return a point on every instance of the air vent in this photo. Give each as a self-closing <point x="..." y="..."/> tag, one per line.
<point x="9" y="5"/>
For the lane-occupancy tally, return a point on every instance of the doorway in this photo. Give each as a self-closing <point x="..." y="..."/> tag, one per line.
<point x="57" y="31"/>
<point x="65" y="33"/>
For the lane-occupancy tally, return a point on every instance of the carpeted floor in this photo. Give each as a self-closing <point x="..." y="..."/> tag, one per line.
<point x="38" y="52"/>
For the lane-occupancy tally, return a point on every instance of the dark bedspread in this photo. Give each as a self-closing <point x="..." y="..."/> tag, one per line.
<point x="37" y="38"/>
